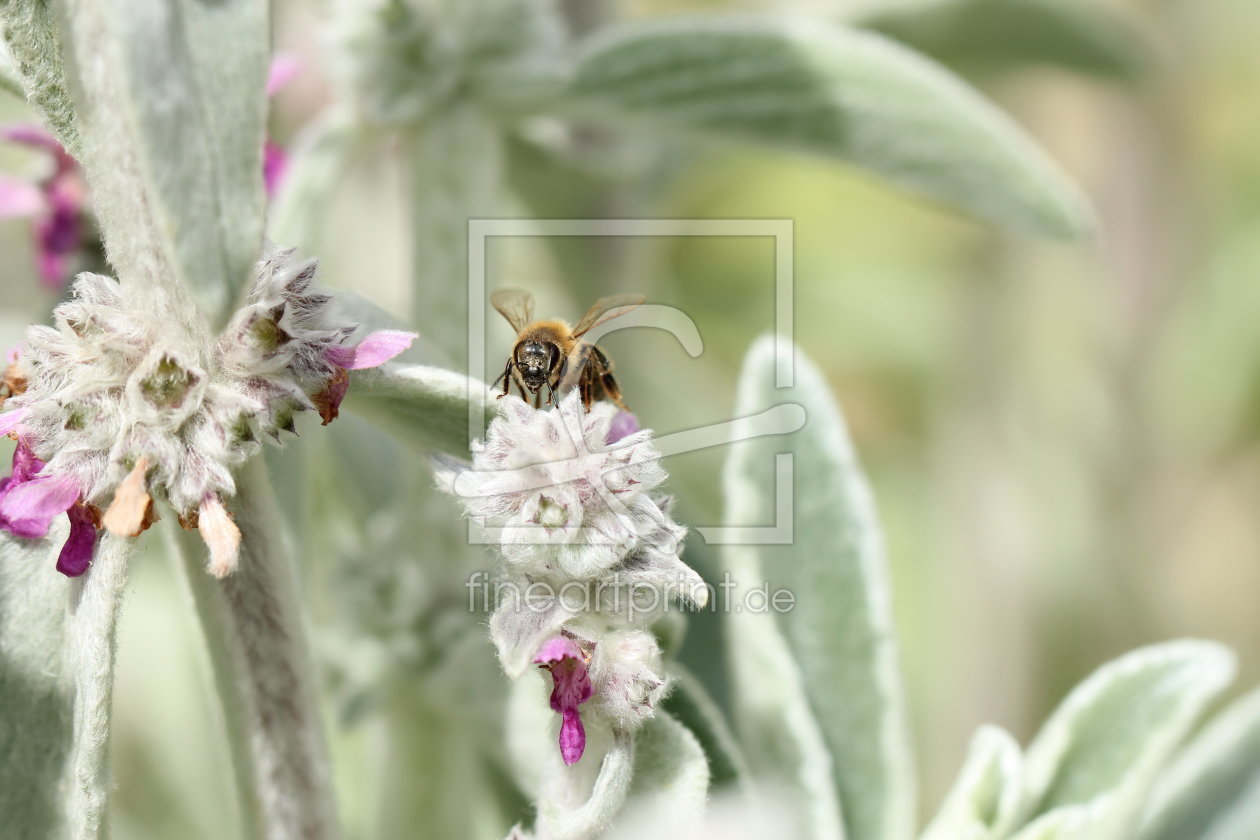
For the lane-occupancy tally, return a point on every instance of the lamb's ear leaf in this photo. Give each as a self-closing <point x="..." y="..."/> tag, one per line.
<point x="1212" y="789"/>
<point x="993" y="36"/>
<point x="1092" y="765"/>
<point x="30" y="34"/>
<point x="428" y="407"/>
<point x="691" y="706"/>
<point x="830" y="91"/>
<point x="57" y="654"/>
<point x="824" y="668"/>
<point x="986" y="793"/>
<point x="170" y="102"/>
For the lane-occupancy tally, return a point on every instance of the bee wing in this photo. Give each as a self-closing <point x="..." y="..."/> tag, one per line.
<point x="604" y="309"/>
<point x="516" y="305"/>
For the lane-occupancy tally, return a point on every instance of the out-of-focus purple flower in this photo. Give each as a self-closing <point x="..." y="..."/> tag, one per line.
<point x="623" y="425"/>
<point x="375" y="349"/>
<point x="275" y="163"/>
<point x="275" y="159"/>
<point x="57" y="204"/>
<point x="571" y="686"/>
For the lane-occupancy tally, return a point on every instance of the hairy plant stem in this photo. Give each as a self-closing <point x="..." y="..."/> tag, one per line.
<point x="91" y="645"/>
<point x="262" y="671"/>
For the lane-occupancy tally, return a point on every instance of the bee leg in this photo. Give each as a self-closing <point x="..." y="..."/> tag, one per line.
<point x="603" y="374"/>
<point x="506" y="376"/>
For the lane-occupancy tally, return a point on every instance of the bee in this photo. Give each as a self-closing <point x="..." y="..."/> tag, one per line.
<point x="552" y="353"/>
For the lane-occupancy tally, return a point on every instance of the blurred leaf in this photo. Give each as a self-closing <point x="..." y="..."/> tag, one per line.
<point x="31" y="36"/>
<point x="671" y="776"/>
<point x="171" y="107"/>
<point x="561" y="821"/>
<point x="428" y="407"/>
<point x="35" y="728"/>
<point x="839" y="628"/>
<point x="57" y="653"/>
<point x="833" y="92"/>
<point x="1090" y="768"/>
<point x="253" y="629"/>
<point x="691" y="706"/>
<point x="1001" y="35"/>
<point x="318" y="159"/>
<point x="456" y="175"/>
<point x="1213" y="788"/>
<point x="986" y="793"/>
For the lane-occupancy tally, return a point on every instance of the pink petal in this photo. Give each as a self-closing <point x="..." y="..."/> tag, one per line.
<point x="19" y="198"/>
<point x="572" y="737"/>
<point x="76" y="554"/>
<point x="10" y="419"/>
<point x="30" y="135"/>
<point x="284" y="68"/>
<point x="623" y="424"/>
<point x="571" y="686"/>
<point x="555" y="649"/>
<point x="30" y="507"/>
<point x="16" y="350"/>
<point x="25" y="465"/>
<point x="275" y="163"/>
<point x="377" y="349"/>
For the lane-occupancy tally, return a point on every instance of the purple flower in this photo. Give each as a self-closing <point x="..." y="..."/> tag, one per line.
<point x="57" y="204"/>
<point x="623" y="425"/>
<point x="29" y="502"/>
<point x="571" y="686"/>
<point x="375" y="349"/>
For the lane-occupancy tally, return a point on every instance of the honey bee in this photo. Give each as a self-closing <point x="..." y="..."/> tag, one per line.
<point x="552" y="353"/>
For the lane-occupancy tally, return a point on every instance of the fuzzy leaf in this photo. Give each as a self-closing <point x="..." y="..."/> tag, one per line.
<point x="691" y="706"/>
<point x="986" y="792"/>
<point x="1213" y="788"/>
<point x="1091" y="766"/>
<point x="170" y="100"/>
<point x="57" y="653"/>
<point x="424" y="406"/>
<point x="827" y="91"/>
<point x="36" y="726"/>
<point x="317" y="163"/>
<point x="671" y="776"/>
<point x="1001" y="35"/>
<point x="839" y="631"/>
<point x="10" y="79"/>
<point x="253" y="628"/>
<point x="31" y="37"/>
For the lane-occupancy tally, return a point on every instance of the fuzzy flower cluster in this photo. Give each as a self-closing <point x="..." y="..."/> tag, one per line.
<point x="111" y="409"/>
<point x="590" y="557"/>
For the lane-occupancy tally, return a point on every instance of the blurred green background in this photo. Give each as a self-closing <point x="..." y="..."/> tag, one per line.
<point x="1064" y="440"/>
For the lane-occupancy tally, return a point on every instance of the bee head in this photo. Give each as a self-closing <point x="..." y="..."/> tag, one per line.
<point x="535" y="361"/>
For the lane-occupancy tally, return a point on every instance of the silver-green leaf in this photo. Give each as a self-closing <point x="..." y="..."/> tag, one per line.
<point x="829" y="91"/>
<point x="839" y="630"/>
<point x="428" y="407"/>
<point x="1093" y="763"/>
<point x="999" y="35"/>
<point x="170" y="102"/>
<point x="986" y="793"/>
<point x="57" y="654"/>
<point x="31" y="38"/>
<point x="1213" y="787"/>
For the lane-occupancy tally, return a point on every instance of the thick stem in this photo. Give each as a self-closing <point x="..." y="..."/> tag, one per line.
<point x="91" y="644"/>
<point x="262" y="671"/>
